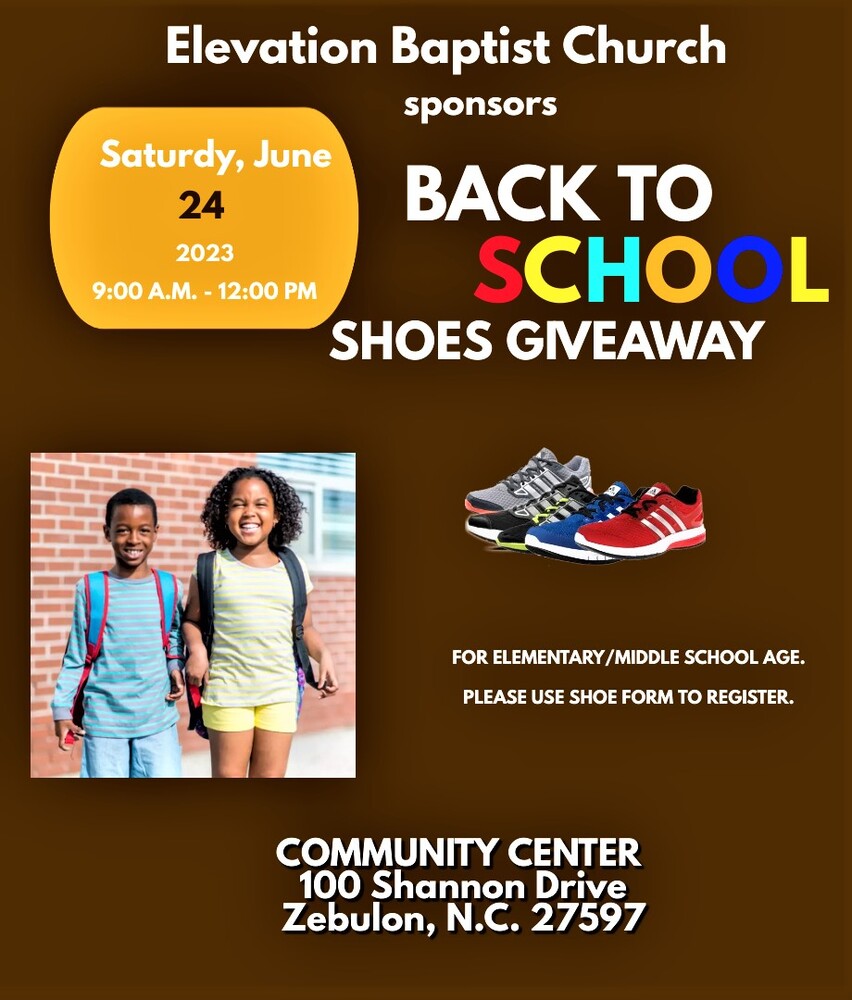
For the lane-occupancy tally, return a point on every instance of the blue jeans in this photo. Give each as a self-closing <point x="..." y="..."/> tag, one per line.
<point x="156" y="756"/>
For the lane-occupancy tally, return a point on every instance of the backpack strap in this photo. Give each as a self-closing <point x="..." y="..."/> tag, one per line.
<point x="167" y="595"/>
<point x="297" y="582"/>
<point x="96" y="603"/>
<point x="204" y="580"/>
<point x="300" y="606"/>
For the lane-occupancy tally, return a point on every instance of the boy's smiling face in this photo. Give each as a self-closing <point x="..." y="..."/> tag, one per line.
<point x="131" y="533"/>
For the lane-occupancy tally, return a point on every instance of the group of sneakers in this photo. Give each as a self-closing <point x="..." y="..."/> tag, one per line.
<point x="548" y="508"/>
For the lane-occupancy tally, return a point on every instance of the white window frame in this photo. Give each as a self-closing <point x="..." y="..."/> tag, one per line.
<point x="317" y="483"/>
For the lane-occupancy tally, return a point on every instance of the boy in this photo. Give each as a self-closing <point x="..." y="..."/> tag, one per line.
<point x="129" y="729"/>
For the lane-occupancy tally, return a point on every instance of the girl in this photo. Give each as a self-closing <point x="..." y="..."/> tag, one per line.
<point x="249" y="682"/>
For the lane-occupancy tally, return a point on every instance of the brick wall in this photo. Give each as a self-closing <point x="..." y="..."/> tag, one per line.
<point x="68" y="496"/>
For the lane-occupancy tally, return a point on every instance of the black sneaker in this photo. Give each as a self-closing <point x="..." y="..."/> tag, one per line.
<point x="490" y="526"/>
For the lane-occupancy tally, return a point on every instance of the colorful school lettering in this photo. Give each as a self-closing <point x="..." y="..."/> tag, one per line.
<point x="625" y="267"/>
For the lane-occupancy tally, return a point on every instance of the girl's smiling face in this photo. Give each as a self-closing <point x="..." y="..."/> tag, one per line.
<point x="251" y="512"/>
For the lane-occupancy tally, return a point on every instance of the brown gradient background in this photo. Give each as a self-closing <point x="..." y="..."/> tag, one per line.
<point x="119" y="890"/>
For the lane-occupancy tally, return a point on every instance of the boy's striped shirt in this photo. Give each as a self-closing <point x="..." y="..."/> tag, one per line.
<point x="125" y="696"/>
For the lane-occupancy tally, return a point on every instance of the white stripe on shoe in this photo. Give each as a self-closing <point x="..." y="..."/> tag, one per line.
<point x="650" y="524"/>
<point x="674" y="516"/>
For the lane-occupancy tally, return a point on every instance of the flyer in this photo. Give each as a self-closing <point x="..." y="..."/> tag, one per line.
<point x="443" y="408"/>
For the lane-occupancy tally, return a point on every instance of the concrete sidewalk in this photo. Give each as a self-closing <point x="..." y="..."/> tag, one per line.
<point x="327" y="754"/>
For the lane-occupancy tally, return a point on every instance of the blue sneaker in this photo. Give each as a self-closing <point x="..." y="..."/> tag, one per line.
<point x="555" y="538"/>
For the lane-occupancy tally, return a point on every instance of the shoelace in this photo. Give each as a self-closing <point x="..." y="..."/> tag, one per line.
<point x="644" y="505"/>
<point x="598" y="506"/>
<point x="533" y="468"/>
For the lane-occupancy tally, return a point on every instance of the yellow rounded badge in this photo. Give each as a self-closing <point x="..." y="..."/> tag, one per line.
<point x="204" y="218"/>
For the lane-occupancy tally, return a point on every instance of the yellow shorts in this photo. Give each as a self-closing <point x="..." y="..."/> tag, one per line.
<point x="277" y="718"/>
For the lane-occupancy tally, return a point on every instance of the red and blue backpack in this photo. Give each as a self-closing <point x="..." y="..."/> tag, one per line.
<point x="97" y="608"/>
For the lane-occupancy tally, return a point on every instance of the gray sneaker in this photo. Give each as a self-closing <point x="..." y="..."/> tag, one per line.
<point x="537" y="477"/>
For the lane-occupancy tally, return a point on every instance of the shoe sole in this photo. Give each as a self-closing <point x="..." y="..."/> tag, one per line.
<point x="585" y="556"/>
<point x="689" y="539"/>
<point x="512" y="546"/>
<point x="486" y="534"/>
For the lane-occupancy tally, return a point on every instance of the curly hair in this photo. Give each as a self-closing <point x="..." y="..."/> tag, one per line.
<point x="288" y="509"/>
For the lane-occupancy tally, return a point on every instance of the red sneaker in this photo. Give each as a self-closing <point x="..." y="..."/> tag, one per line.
<point x="658" y="521"/>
